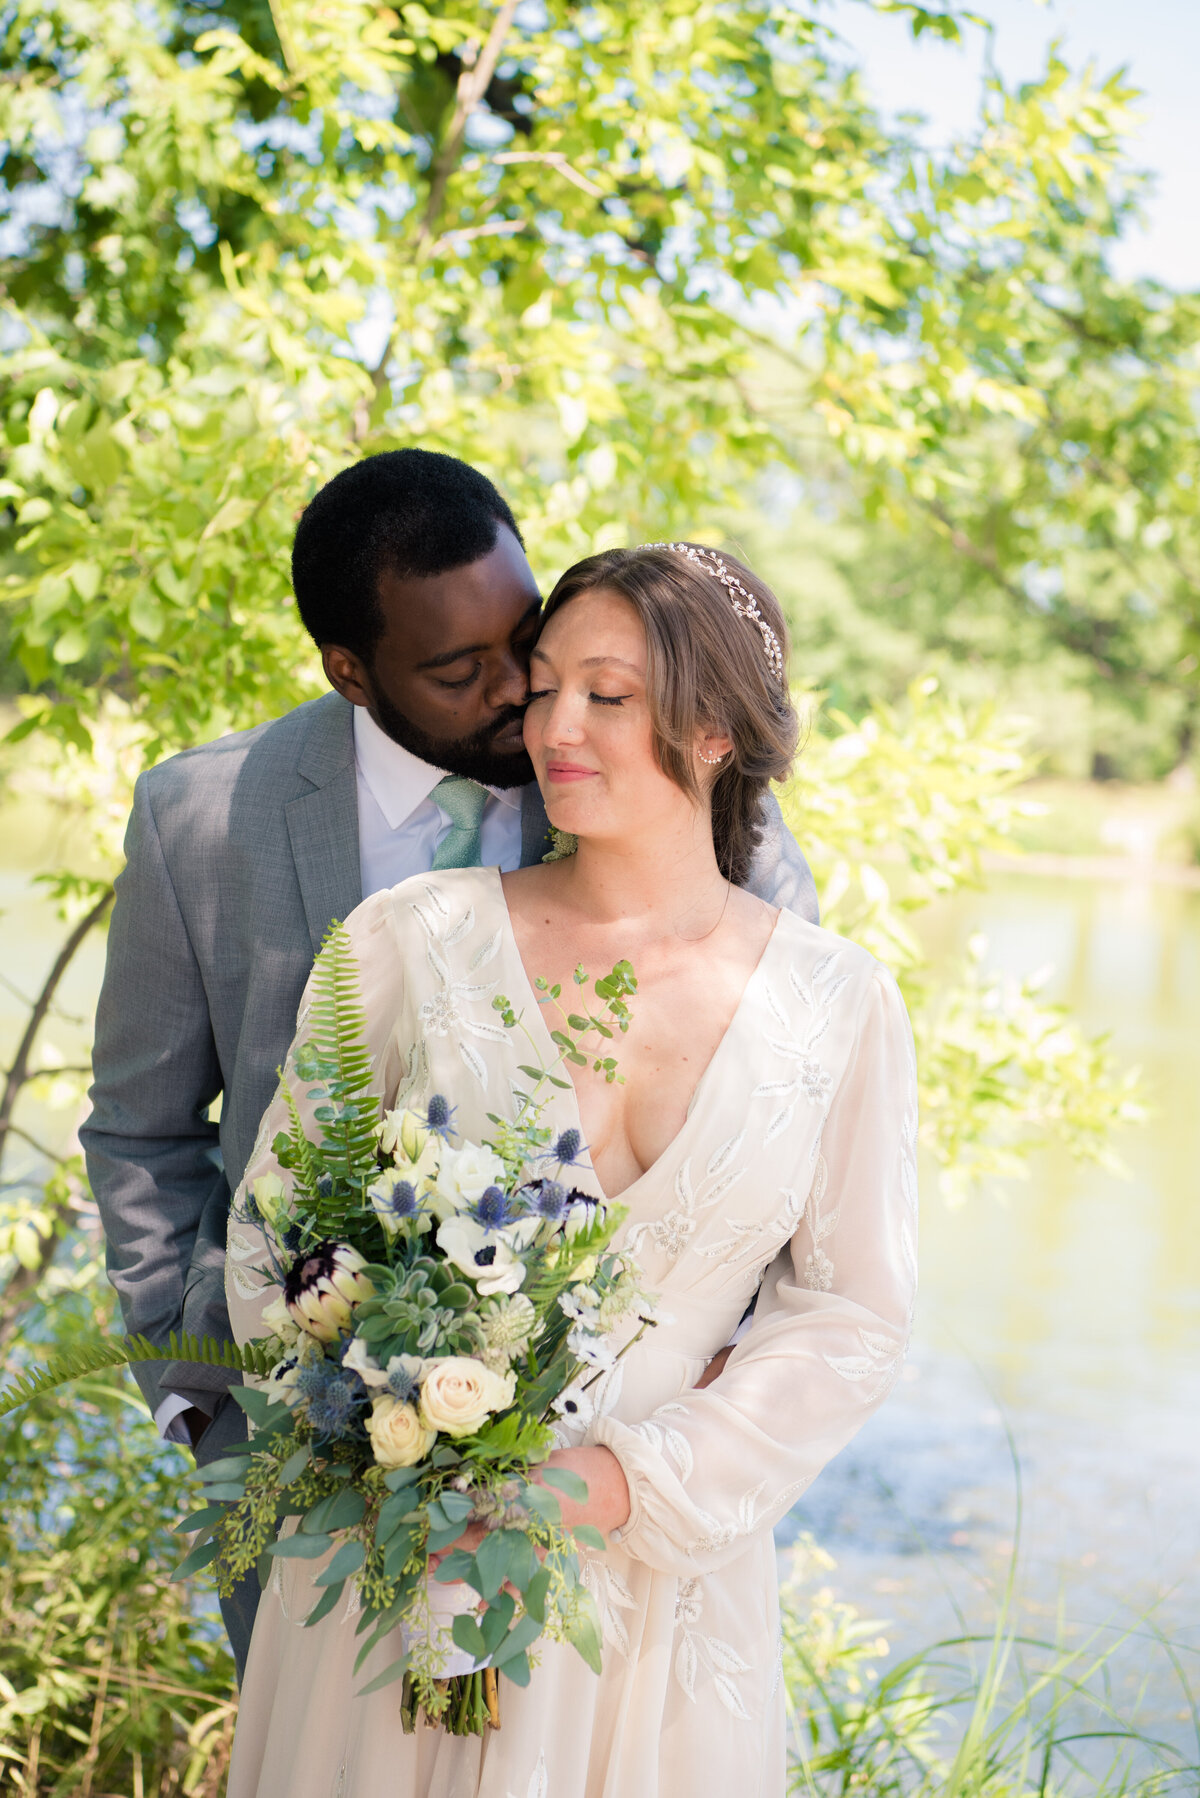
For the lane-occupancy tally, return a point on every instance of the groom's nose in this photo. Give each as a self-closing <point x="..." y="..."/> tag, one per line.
<point x="508" y="685"/>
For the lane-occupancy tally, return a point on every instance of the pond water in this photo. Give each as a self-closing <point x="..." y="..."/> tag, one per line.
<point x="1059" y="1320"/>
<point x="1061" y="1314"/>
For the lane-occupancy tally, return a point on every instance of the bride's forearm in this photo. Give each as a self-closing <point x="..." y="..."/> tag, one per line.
<point x="607" y="1502"/>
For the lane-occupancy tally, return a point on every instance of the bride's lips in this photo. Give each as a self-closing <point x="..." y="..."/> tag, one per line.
<point x="562" y="772"/>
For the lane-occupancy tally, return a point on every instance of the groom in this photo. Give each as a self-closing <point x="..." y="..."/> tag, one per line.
<point x="410" y="575"/>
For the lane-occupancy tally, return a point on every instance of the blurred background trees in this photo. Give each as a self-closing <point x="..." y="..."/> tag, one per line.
<point x="658" y="268"/>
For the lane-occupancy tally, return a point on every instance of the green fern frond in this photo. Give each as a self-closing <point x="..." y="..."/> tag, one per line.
<point x="338" y="1030"/>
<point x="96" y="1357"/>
<point x="303" y="1158"/>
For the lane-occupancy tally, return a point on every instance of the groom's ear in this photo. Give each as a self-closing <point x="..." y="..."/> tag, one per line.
<point x="345" y="673"/>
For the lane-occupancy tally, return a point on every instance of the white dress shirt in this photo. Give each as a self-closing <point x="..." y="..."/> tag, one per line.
<point x="400" y="826"/>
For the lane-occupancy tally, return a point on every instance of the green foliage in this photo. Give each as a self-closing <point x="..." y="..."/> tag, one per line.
<point x="1005" y="1715"/>
<point x="85" y="1358"/>
<point x="111" y="1680"/>
<point x="895" y="811"/>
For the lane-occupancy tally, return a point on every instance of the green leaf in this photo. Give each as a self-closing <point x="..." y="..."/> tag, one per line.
<point x="504" y="1555"/>
<point x="457" y="1506"/>
<point x="518" y="1670"/>
<point x="388" y="1677"/>
<point x="569" y="1484"/>
<point x="583" y="1630"/>
<point x="348" y="1559"/>
<point x="525" y="1631"/>
<point x="496" y="1619"/>
<point x="295" y="1464"/>
<point x="346" y="1508"/>
<point x="301" y="1548"/>
<point x="201" y="1556"/>
<point x="590" y="1536"/>
<point x="536" y="1593"/>
<point x="324" y="1604"/>
<point x="400" y="1477"/>
<point x="468" y="1636"/>
<point x="459" y="1564"/>
<point x="199" y="1520"/>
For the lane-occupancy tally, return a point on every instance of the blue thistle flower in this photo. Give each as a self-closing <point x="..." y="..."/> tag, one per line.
<point x="331" y="1398"/>
<point x="492" y="1209"/>
<point x="325" y="1186"/>
<point x="568" y="1147"/>
<point x="402" y="1386"/>
<point x="438" y="1115"/>
<point x="549" y="1200"/>
<point x="250" y="1206"/>
<point x="404" y="1202"/>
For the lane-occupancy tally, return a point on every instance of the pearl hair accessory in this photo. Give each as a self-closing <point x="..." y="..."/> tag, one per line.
<point x="743" y="601"/>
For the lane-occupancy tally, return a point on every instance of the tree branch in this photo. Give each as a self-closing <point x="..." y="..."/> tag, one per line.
<point x="19" y="1073"/>
<point x="472" y="85"/>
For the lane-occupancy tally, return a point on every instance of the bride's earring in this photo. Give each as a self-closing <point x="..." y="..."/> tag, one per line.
<point x="712" y="760"/>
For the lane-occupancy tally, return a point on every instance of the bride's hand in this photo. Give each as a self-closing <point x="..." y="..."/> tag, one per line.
<point x="606" y="1506"/>
<point x="607" y="1503"/>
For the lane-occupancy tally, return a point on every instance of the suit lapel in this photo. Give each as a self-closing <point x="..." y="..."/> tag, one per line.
<point x="323" y="823"/>
<point x="535" y="826"/>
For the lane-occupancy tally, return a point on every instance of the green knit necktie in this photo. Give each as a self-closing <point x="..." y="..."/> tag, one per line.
<point x="463" y="800"/>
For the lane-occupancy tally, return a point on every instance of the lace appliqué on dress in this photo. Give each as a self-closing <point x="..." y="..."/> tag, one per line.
<point x="446" y="1013"/>
<point x="699" y="1651"/>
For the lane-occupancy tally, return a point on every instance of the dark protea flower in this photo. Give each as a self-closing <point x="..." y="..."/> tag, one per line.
<point x="323" y="1287"/>
<point x="439" y="1114"/>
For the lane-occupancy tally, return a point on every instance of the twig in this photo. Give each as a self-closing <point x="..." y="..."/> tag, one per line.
<point x="473" y="83"/>
<point x="18" y="1073"/>
<point x="556" y="160"/>
<point x="496" y="228"/>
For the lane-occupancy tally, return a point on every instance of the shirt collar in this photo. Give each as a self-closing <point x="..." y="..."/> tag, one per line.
<point x="396" y="779"/>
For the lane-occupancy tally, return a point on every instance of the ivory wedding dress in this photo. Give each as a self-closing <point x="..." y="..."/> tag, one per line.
<point x="793" y="1177"/>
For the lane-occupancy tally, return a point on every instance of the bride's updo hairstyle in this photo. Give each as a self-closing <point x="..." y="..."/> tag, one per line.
<point x="709" y="668"/>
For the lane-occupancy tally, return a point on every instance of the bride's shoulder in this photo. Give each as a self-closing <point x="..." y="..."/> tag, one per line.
<point x="820" y="954"/>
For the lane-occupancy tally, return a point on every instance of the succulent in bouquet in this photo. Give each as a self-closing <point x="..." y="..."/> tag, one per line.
<point x="438" y="1302"/>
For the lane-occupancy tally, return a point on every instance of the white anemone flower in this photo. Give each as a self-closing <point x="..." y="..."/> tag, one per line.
<point x="483" y="1254"/>
<point x="465" y="1175"/>
<point x="596" y="1351"/>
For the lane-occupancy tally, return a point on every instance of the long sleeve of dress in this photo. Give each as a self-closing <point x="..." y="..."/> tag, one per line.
<point x="828" y="1337"/>
<point x="372" y="929"/>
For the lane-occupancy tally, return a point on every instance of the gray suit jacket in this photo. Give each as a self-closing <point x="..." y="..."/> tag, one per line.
<point x="239" y="855"/>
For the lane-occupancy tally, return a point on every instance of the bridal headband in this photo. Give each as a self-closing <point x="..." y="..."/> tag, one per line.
<point x="741" y="599"/>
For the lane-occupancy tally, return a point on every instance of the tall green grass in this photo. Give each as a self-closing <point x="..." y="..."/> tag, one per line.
<point x="1005" y="1714"/>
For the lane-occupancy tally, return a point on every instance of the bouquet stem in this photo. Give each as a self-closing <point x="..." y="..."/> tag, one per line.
<point x="472" y="1704"/>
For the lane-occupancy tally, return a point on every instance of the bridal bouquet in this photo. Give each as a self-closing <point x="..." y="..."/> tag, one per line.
<point x="438" y="1302"/>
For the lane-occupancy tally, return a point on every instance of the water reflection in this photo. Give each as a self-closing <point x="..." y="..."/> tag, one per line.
<point x="1068" y="1308"/>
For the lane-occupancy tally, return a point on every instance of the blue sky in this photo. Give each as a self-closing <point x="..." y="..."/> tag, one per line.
<point x="1157" y="41"/>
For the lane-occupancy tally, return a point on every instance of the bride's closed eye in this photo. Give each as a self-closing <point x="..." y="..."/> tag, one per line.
<point x="597" y="698"/>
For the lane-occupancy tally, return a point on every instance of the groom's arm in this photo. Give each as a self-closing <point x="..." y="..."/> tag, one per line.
<point x="779" y="873"/>
<point x="151" y="1149"/>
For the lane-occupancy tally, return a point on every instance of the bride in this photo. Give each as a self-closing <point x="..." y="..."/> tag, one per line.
<point x="763" y="1144"/>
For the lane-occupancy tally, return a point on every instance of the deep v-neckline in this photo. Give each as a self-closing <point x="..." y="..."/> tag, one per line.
<point x="571" y="1097"/>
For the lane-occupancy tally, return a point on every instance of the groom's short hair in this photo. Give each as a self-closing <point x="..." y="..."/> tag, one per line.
<point x="408" y="512"/>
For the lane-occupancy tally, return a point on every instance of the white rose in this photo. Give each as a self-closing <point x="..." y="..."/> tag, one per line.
<point x="278" y="1320"/>
<point x="466" y="1173"/>
<point x="482" y="1254"/>
<point x="459" y="1394"/>
<point x="398" y="1436"/>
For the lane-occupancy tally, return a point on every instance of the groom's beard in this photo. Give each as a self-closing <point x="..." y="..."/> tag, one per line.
<point x="475" y="757"/>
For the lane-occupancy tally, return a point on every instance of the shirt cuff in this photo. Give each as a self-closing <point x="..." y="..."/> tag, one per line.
<point x="168" y="1419"/>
